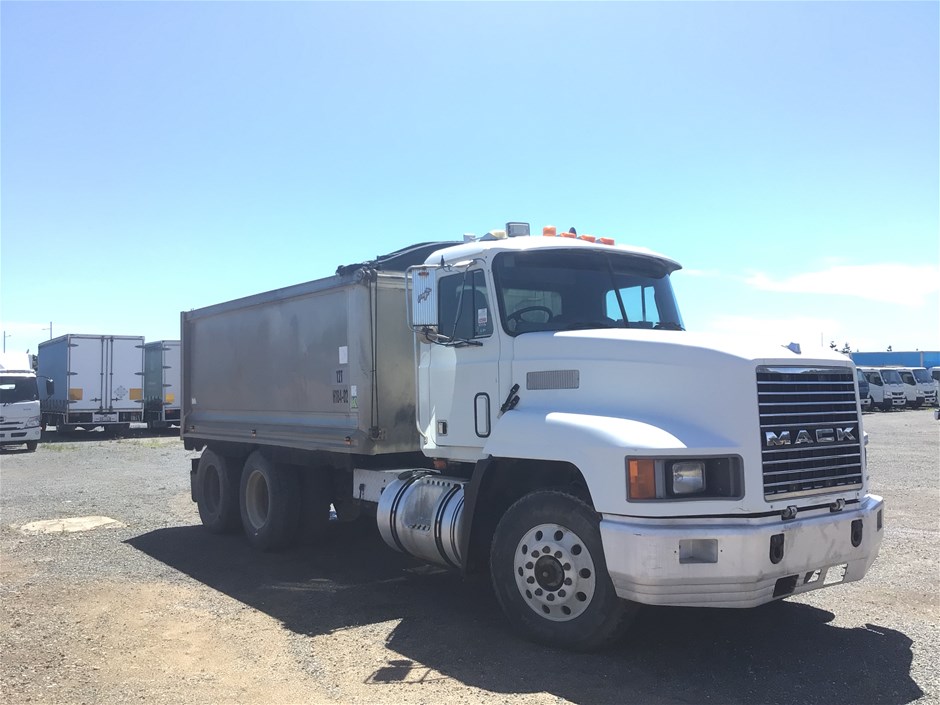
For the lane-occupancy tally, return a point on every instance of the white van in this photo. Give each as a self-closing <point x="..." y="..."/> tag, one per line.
<point x="886" y="388"/>
<point x="912" y="391"/>
<point x="934" y="373"/>
<point x="925" y="383"/>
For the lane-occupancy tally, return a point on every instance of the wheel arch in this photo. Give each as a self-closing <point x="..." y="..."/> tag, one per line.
<point x="496" y="484"/>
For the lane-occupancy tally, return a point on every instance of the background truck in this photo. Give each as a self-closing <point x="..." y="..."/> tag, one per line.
<point x="162" y="383"/>
<point x="927" y="388"/>
<point x="19" y="401"/>
<point x="532" y="407"/>
<point x="98" y="381"/>
<point x="913" y="392"/>
<point x="886" y="388"/>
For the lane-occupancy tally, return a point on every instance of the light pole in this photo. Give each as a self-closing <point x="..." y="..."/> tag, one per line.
<point x="5" y="336"/>
<point x="49" y="329"/>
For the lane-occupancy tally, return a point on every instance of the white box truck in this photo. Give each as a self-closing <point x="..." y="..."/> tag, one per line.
<point x="98" y="381"/>
<point x="19" y="401"/>
<point x="162" y="384"/>
<point x="532" y="407"/>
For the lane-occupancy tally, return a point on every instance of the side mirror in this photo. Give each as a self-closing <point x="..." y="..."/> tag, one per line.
<point x="50" y="387"/>
<point x="422" y="289"/>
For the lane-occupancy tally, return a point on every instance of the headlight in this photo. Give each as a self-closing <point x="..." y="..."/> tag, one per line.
<point x="664" y="479"/>
<point x="32" y="421"/>
<point x="688" y="477"/>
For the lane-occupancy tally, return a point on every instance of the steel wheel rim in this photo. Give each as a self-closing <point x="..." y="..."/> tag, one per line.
<point x="554" y="572"/>
<point x="256" y="500"/>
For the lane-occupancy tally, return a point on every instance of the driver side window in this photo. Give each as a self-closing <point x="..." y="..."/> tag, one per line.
<point x="463" y="309"/>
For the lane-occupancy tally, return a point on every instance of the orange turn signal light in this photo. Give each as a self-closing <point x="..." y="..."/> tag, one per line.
<point x="606" y="240"/>
<point x="642" y="479"/>
<point x="549" y="231"/>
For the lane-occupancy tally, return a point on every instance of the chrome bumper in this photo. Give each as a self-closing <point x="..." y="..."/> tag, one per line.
<point x="727" y="562"/>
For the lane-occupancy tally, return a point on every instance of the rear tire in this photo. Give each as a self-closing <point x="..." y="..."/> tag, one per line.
<point x="217" y="487"/>
<point x="269" y="502"/>
<point x="549" y="573"/>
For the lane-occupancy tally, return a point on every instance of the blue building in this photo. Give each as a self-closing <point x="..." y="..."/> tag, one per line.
<point x="917" y="358"/>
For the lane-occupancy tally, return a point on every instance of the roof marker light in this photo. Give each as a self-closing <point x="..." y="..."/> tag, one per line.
<point x="572" y="235"/>
<point x="549" y="231"/>
<point x="606" y="241"/>
<point x="588" y="238"/>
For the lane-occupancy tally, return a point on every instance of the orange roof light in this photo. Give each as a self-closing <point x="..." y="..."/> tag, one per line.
<point x="569" y="235"/>
<point x="588" y="238"/>
<point x="606" y="241"/>
<point x="549" y="231"/>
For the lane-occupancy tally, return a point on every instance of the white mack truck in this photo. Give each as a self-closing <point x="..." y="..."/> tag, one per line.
<point x="532" y="407"/>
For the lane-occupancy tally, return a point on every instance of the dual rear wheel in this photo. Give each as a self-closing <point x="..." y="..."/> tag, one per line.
<point x="270" y="501"/>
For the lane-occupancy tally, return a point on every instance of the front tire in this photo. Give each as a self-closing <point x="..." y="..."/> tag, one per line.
<point x="31" y="446"/>
<point x="269" y="502"/>
<point x="217" y="488"/>
<point x="550" y="576"/>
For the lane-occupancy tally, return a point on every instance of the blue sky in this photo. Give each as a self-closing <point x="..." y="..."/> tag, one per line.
<point x="156" y="157"/>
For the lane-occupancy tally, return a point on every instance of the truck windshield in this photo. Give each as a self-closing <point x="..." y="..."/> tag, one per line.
<point x="922" y="376"/>
<point x="554" y="290"/>
<point x="14" y="389"/>
<point x="891" y="377"/>
<point x="907" y="377"/>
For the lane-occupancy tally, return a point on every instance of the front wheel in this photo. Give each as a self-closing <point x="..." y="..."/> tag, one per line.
<point x="550" y="576"/>
<point x="31" y="446"/>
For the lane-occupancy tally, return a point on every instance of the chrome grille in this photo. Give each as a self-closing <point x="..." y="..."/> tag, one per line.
<point x="811" y="442"/>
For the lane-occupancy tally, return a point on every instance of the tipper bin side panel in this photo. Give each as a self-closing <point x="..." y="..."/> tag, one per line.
<point x="267" y="372"/>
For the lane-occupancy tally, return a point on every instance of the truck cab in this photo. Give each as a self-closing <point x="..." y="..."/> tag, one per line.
<point x="570" y="358"/>
<point x="926" y="390"/>
<point x="19" y="402"/>
<point x="887" y="390"/>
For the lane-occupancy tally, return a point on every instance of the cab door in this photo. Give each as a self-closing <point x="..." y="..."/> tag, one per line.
<point x="459" y="375"/>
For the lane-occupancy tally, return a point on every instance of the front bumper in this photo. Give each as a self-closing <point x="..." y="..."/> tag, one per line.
<point x="727" y="562"/>
<point x="9" y="436"/>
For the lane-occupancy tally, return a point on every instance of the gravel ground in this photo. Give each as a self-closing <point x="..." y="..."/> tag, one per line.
<point x="155" y="609"/>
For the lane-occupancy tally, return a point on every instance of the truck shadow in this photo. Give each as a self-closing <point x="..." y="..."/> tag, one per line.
<point x="450" y="627"/>
<point x="99" y="434"/>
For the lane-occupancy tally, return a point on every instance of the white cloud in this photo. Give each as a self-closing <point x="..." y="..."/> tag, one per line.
<point x="700" y="272"/>
<point x="799" y="329"/>
<point x="904" y="284"/>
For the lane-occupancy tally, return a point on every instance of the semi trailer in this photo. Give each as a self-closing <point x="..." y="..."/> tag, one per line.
<point x="98" y="381"/>
<point x="532" y="407"/>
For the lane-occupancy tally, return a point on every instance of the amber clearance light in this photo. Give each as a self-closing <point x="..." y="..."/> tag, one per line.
<point x="641" y="478"/>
